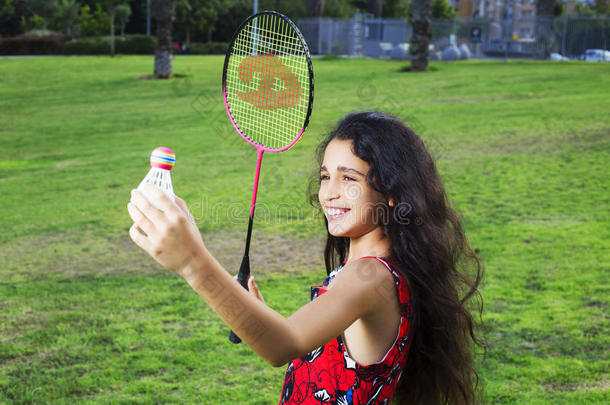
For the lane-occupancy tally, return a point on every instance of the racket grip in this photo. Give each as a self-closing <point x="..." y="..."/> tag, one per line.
<point x="234" y="338"/>
<point x="242" y="278"/>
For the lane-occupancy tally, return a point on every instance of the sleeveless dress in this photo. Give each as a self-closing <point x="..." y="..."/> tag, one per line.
<point x="328" y="375"/>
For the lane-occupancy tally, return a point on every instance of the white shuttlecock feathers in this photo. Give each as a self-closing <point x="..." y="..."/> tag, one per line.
<point x="162" y="160"/>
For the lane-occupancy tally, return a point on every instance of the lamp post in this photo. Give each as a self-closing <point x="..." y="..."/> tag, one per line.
<point x="508" y="30"/>
<point x="148" y="17"/>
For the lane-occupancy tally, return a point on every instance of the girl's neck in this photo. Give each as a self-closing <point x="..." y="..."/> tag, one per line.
<point x="374" y="243"/>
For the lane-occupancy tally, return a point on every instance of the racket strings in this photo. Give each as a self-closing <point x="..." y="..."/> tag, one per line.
<point x="268" y="82"/>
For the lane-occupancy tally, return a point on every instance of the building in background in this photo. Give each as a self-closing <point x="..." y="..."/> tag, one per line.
<point x="522" y="14"/>
<point x="524" y="23"/>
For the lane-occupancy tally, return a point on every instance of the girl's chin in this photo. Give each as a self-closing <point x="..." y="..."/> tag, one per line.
<point x="340" y="231"/>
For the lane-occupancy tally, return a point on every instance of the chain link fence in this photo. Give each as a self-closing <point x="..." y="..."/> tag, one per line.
<point x="570" y="36"/>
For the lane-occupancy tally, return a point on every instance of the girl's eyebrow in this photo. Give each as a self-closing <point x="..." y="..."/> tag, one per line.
<point x="343" y="169"/>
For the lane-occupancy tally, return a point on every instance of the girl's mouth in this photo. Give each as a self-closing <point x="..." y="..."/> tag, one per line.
<point x="333" y="213"/>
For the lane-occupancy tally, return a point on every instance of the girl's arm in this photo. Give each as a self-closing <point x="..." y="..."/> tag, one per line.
<point x="174" y="241"/>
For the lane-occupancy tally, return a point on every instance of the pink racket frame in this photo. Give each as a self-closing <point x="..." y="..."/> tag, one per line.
<point x="259" y="149"/>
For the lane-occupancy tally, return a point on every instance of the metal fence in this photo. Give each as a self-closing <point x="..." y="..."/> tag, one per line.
<point x="362" y="35"/>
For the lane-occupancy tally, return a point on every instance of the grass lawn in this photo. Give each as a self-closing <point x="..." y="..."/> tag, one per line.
<point x="523" y="148"/>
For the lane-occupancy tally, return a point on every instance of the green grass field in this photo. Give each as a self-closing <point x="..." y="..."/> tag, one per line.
<point x="523" y="148"/>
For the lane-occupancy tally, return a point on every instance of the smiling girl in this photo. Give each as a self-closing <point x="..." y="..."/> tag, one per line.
<point x="391" y="318"/>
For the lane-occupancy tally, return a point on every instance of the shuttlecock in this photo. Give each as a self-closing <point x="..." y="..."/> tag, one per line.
<point x="162" y="160"/>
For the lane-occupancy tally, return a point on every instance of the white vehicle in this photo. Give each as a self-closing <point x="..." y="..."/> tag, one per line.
<point x="597" y="55"/>
<point x="557" y="56"/>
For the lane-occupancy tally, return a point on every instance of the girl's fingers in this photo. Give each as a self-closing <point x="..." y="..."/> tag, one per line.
<point x="163" y="201"/>
<point x="139" y="219"/>
<point x="185" y="210"/>
<point x="181" y="204"/>
<point x="145" y="207"/>
<point x="139" y="239"/>
<point x="254" y="289"/>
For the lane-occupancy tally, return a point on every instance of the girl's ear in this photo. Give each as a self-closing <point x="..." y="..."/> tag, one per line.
<point x="391" y="202"/>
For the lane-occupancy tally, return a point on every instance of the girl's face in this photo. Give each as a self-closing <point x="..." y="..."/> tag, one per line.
<point x="348" y="201"/>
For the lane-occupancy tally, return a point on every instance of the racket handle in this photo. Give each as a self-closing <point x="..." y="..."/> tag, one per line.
<point x="242" y="278"/>
<point x="234" y="338"/>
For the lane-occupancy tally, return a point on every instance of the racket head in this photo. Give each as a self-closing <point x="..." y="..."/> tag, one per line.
<point x="267" y="81"/>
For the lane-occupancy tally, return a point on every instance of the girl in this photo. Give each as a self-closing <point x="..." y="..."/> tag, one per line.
<point x="391" y="316"/>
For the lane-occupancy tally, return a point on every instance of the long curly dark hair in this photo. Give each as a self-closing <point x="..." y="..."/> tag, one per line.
<point x="429" y="247"/>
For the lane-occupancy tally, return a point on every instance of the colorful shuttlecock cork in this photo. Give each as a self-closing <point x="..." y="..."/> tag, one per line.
<point x="162" y="160"/>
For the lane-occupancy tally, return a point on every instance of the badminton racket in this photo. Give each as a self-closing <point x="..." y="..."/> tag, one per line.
<point x="267" y="86"/>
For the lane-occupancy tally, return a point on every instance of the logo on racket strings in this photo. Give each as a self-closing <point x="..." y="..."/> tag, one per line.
<point x="271" y="70"/>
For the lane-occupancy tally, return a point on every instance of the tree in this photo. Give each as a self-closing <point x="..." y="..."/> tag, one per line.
<point x="375" y="8"/>
<point x="45" y="9"/>
<point x="94" y="23"/>
<point x="6" y="8"/>
<point x="123" y="12"/>
<point x="601" y="7"/>
<point x="441" y="10"/>
<point x="396" y="8"/>
<point x="195" y="16"/>
<point x="314" y="8"/>
<point x="68" y="14"/>
<point x="231" y="15"/>
<point x="110" y="6"/>
<point x="420" y="39"/>
<point x="340" y="9"/>
<point x="164" y="12"/>
<point x="7" y="11"/>
<point x="185" y="18"/>
<point x="293" y="9"/>
<point x="545" y="12"/>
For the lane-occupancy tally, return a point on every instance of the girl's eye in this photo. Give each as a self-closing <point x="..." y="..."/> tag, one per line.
<point x="348" y="178"/>
<point x="323" y="177"/>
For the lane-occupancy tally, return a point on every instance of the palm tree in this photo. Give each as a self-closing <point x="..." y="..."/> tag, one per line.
<point x="420" y="39"/>
<point x="164" y="11"/>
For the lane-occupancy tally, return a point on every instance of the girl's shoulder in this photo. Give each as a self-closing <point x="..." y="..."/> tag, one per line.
<point x="399" y="280"/>
<point x="380" y="272"/>
<point x="367" y="264"/>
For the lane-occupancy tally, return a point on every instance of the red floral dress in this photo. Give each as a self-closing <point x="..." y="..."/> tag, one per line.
<point x="328" y="375"/>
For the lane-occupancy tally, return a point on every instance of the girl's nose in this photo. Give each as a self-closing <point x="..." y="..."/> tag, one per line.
<point x="329" y="192"/>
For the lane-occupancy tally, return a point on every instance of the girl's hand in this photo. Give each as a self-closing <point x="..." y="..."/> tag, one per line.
<point x="253" y="289"/>
<point x="171" y="234"/>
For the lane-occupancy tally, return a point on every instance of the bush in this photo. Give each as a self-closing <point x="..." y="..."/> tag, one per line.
<point x="33" y="44"/>
<point x="130" y="44"/>
<point x="87" y="46"/>
<point x="208" y="48"/>
<point x="61" y="44"/>
<point x="136" y="44"/>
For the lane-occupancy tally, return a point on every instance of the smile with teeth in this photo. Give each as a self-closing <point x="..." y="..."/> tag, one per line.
<point x="334" y="213"/>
